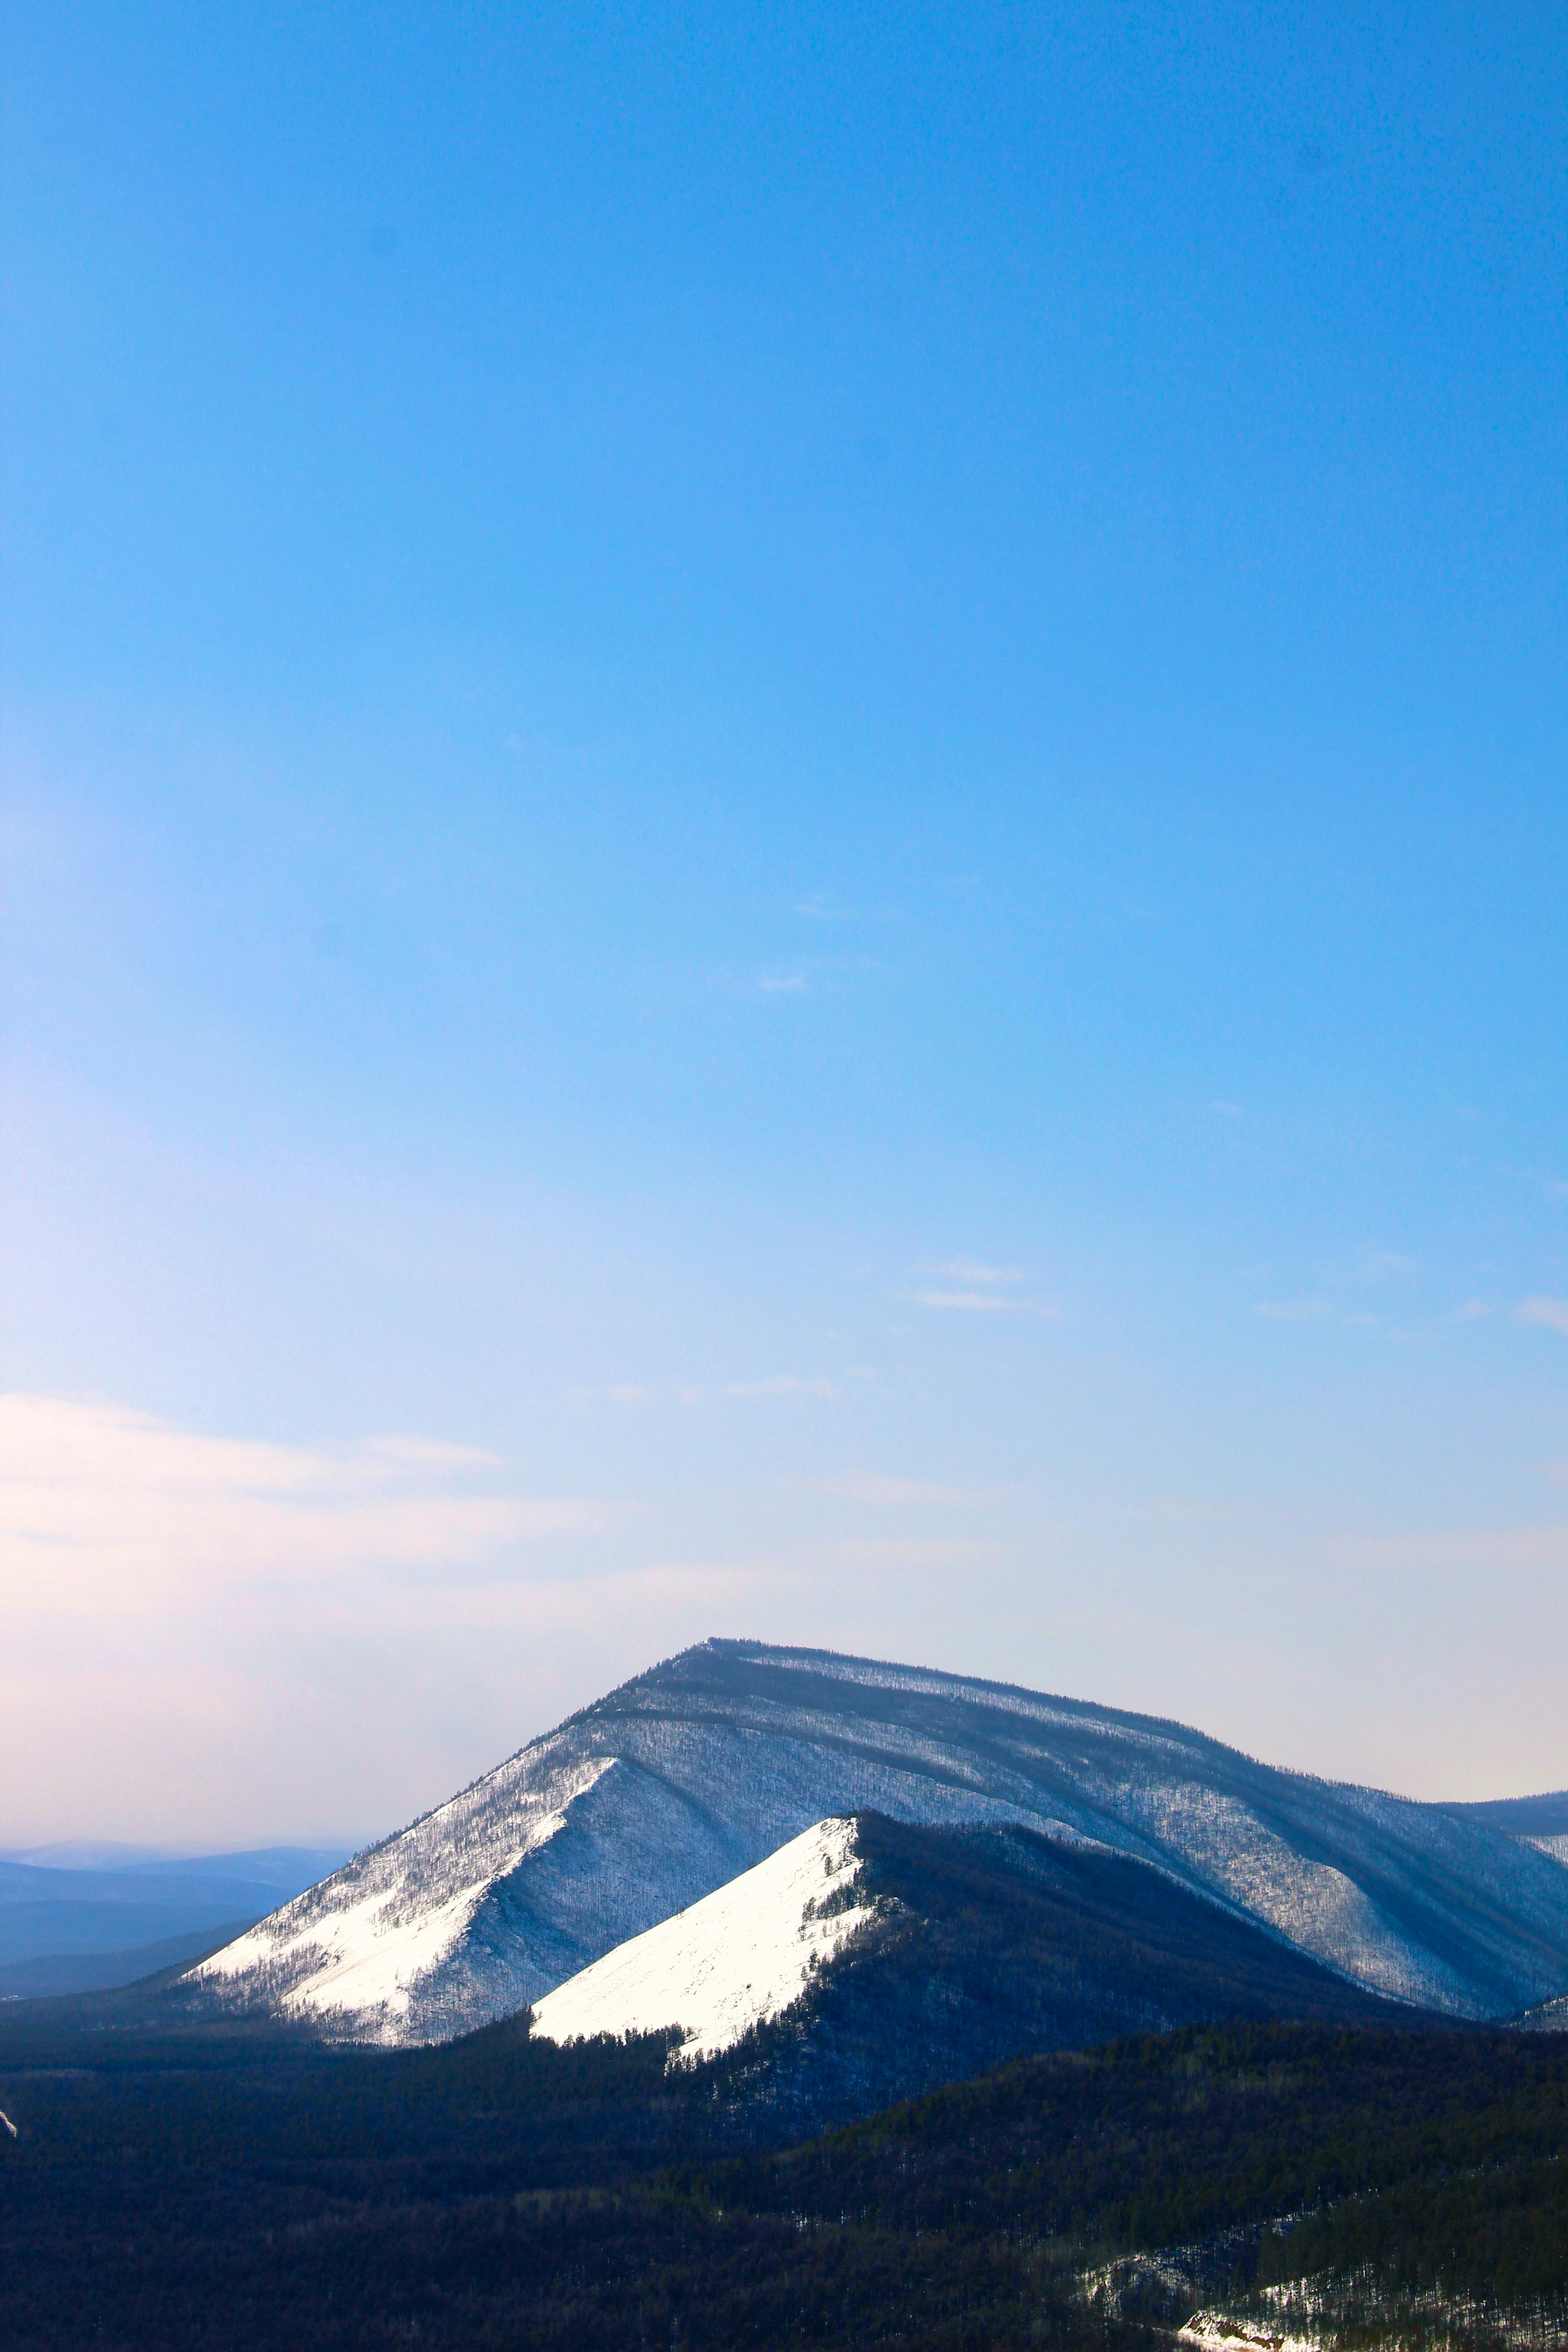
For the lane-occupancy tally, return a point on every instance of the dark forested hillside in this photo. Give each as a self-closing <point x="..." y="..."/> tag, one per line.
<point x="993" y="1943"/>
<point x="1160" y="2140"/>
<point x="176" y="2182"/>
<point x="187" y="2190"/>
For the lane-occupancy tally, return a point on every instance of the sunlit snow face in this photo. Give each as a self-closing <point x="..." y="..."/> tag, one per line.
<point x="738" y="1957"/>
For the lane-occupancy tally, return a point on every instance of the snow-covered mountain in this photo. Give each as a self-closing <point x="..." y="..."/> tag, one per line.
<point x="690" y="1775"/>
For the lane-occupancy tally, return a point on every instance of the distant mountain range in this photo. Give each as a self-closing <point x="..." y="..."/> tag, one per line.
<point x="1543" y="1820"/>
<point x="79" y="1918"/>
<point x="1163" y="1860"/>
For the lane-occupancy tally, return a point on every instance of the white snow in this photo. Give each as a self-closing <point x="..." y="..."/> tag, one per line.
<point x="738" y="1956"/>
<point x="1220" y="2331"/>
<point x="364" y="1955"/>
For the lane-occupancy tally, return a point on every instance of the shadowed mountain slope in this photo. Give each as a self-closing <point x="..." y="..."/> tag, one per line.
<point x="973" y="1946"/>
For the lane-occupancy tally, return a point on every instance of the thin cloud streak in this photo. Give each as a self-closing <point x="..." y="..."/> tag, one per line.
<point x="1482" y="1552"/>
<point x="896" y="1552"/>
<point x="783" y="1384"/>
<point x="106" y="1508"/>
<point x="972" y="1270"/>
<point x="909" y="1494"/>
<point x="689" y="1392"/>
<point x="966" y="1302"/>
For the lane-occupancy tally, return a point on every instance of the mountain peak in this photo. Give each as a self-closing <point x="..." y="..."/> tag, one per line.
<point x="692" y="1773"/>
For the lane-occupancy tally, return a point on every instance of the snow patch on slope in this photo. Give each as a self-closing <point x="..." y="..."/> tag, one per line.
<point x="1221" y="2331"/>
<point x="360" y="1958"/>
<point x="738" y="1956"/>
<point x="364" y="1955"/>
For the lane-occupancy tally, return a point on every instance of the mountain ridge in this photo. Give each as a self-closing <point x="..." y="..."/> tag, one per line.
<point x="665" y="1788"/>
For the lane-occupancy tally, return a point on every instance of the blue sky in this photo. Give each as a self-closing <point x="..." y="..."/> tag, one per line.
<point x="784" y="852"/>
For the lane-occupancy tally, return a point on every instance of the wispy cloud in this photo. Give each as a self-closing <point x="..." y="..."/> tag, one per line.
<point x="1527" y="1549"/>
<point x="972" y="1270"/>
<point x="1188" y="1511"/>
<point x="973" y="1285"/>
<point x="1550" y="1314"/>
<point x="1387" y="1265"/>
<point x="783" y="1384"/>
<point x="967" y="1302"/>
<point x="908" y="1494"/>
<point x="226" y="1639"/>
<point x="691" y="1392"/>
<point x="910" y="1552"/>
<point x="1232" y="1110"/>
<point x="797" y="975"/>
<point x="104" y="1507"/>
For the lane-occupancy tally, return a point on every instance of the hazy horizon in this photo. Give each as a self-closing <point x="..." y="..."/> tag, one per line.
<point x="784" y="853"/>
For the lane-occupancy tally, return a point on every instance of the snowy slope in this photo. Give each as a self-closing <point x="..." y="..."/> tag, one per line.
<point x="357" y="1945"/>
<point x="741" y="1956"/>
<point x="688" y="1776"/>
